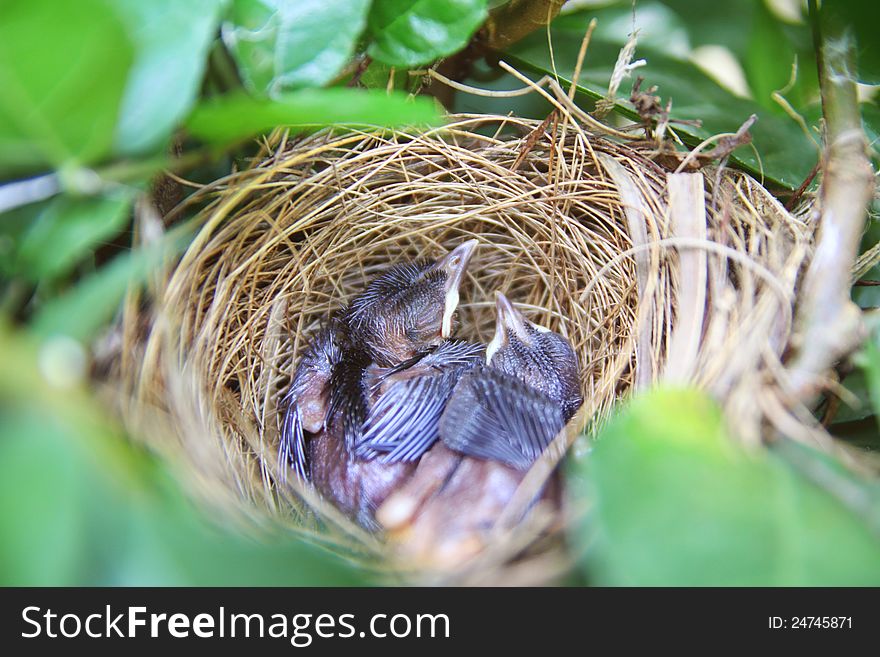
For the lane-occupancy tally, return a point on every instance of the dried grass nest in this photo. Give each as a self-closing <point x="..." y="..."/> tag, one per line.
<point x="653" y="276"/>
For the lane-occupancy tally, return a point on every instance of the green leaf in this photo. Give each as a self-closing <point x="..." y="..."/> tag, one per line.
<point x="82" y="311"/>
<point x="287" y="45"/>
<point x="674" y="501"/>
<point x="377" y="75"/>
<point x="40" y="530"/>
<point x="234" y="117"/>
<point x="65" y="228"/>
<point x="414" y="32"/>
<point x="172" y="39"/>
<point x="658" y="27"/>
<point x="871" y="120"/>
<point x="857" y="492"/>
<point x="857" y="385"/>
<point x="81" y="505"/>
<point x="861" y="18"/>
<point x="714" y="23"/>
<point x="869" y="360"/>
<point x="63" y="68"/>
<point x="769" y="59"/>
<point x="787" y="156"/>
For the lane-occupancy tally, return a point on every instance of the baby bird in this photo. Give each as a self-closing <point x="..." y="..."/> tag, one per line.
<point x="405" y="421"/>
<point x="400" y="318"/>
<point x="507" y="410"/>
<point x="511" y="409"/>
<point x="499" y="418"/>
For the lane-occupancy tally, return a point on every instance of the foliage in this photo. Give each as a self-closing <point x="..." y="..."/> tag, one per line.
<point x="664" y="474"/>
<point x="100" y="96"/>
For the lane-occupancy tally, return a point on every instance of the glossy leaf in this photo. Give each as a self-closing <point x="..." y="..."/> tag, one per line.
<point x="414" y="32"/>
<point x="64" y="229"/>
<point x="674" y="501"/>
<point x="171" y="40"/>
<point x="63" y="70"/>
<point x="236" y="117"/>
<point x="281" y="45"/>
<point x="770" y="56"/>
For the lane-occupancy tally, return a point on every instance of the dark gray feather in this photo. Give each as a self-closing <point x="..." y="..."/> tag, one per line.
<point x="495" y="416"/>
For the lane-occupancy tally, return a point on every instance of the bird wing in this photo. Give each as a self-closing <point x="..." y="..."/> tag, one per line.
<point x="404" y="422"/>
<point x="495" y="416"/>
<point x="292" y="447"/>
<point x="308" y="395"/>
<point x="348" y="395"/>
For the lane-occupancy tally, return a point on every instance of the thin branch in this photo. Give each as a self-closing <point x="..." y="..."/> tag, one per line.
<point x="828" y="322"/>
<point x="24" y="192"/>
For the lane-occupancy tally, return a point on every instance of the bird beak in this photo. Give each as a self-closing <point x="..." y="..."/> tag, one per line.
<point x="454" y="263"/>
<point x="508" y="320"/>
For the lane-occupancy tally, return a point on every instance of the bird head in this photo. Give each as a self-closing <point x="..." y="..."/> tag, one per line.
<point x="536" y="355"/>
<point x="411" y="307"/>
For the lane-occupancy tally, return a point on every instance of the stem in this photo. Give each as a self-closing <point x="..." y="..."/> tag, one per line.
<point x="24" y="192"/>
<point x="223" y="67"/>
<point x="828" y="323"/>
<point x="31" y="190"/>
<point x="517" y="19"/>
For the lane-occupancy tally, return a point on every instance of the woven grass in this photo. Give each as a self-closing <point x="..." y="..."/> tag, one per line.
<point x="687" y="278"/>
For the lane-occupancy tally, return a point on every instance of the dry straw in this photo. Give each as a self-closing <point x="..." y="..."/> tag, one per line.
<point x="653" y="276"/>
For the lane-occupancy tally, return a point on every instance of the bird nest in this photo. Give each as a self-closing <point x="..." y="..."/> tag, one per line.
<point x="653" y="276"/>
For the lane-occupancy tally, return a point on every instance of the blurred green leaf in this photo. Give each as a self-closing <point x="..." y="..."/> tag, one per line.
<point x="859" y="493"/>
<point x="235" y="117"/>
<point x="787" y="156"/>
<point x="871" y="119"/>
<point x="869" y="360"/>
<point x="287" y="45"/>
<point x="725" y="24"/>
<point x="857" y="385"/>
<point x="414" y="32"/>
<point x="172" y="39"/>
<point x="377" y="75"/>
<point x="79" y="505"/>
<point x="675" y="502"/>
<point x="64" y="229"/>
<point x="769" y="59"/>
<point x="861" y="18"/>
<point x="41" y="500"/>
<point x="63" y="69"/>
<point x="658" y="27"/>
<point x="83" y="310"/>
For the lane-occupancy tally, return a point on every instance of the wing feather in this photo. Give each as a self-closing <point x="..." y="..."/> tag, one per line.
<point x="496" y="416"/>
<point x="404" y="422"/>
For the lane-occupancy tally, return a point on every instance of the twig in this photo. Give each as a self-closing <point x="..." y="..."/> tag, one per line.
<point x="24" y="192"/>
<point x="792" y="202"/>
<point x="585" y="43"/>
<point x="828" y="322"/>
